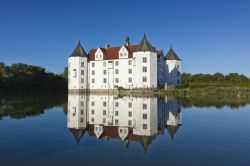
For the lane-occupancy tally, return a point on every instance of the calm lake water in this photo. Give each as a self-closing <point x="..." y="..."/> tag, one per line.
<point x="111" y="130"/>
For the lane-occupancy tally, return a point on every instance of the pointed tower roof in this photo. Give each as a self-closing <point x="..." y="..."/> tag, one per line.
<point x="171" y="55"/>
<point x="145" y="45"/>
<point x="145" y="141"/>
<point x="172" y="130"/>
<point x="79" y="51"/>
<point x="77" y="133"/>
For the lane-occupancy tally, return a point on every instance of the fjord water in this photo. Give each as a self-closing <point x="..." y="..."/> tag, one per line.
<point x="111" y="130"/>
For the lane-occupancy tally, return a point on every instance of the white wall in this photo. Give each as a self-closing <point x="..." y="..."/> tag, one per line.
<point x="151" y="73"/>
<point x="173" y="67"/>
<point x="74" y="73"/>
<point x="77" y="111"/>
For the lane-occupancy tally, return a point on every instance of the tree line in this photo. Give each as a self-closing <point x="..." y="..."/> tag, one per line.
<point x="28" y="78"/>
<point x="217" y="79"/>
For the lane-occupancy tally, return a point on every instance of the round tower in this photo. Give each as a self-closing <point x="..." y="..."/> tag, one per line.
<point x="78" y="70"/>
<point x="173" y="68"/>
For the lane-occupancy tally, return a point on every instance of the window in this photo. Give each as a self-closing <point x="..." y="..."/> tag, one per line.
<point x="129" y="62"/>
<point x="129" y="79"/>
<point x="92" y="120"/>
<point x="81" y="120"/>
<point x="93" y="80"/>
<point x="96" y="56"/>
<point x="129" y="71"/>
<point x="120" y="54"/>
<point x="116" y="104"/>
<point x="116" y="122"/>
<point x="116" y="80"/>
<point x="82" y="80"/>
<point x="104" y="80"/>
<point x="92" y="103"/>
<point x="116" y="63"/>
<point x="81" y="112"/>
<point x="144" y="106"/>
<point x="144" y="69"/>
<point x="125" y="54"/>
<point x="104" y="72"/>
<point x="93" y="72"/>
<point x="144" y="60"/>
<point x="129" y="105"/>
<point x="130" y="114"/>
<point x="130" y="122"/>
<point x="104" y="120"/>
<point x="104" y="64"/>
<point x="104" y="112"/>
<point x="104" y="103"/>
<point x="144" y="79"/>
<point x="74" y="72"/>
<point x="74" y="111"/>
<point x="92" y="112"/>
<point x="144" y="116"/>
<point x="82" y="72"/>
<point x="116" y="71"/>
<point x="93" y="64"/>
<point x="82" y="64"/>
<point x="81" y="103"/>
<point x="144" y="126"/>
<point x="116" y="113"/>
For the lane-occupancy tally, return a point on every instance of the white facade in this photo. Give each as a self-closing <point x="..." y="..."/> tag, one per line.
<point x="128" y="118"/>
<point x="173" y="72"/>
<point x="128" y="66"/>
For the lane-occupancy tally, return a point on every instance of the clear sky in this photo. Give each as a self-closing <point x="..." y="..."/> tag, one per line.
<point x="208" y="35"/>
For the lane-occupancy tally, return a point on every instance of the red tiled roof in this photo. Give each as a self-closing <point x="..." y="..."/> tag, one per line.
<point x="113" y="52"/>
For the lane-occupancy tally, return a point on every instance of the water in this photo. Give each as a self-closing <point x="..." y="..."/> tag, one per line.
<point x="111" y="130"/>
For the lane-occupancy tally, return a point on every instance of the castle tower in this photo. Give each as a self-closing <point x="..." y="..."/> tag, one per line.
<point x="78" y="70"/>
<point x="145" y="65"/>
<point x="173" y="68"/>
<point x="77" y="115"/>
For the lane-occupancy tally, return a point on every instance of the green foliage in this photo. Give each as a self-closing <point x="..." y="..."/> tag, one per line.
<point x="217" y="79"/>
<point x="28" y="78"/>
<point x="15" y="106"/>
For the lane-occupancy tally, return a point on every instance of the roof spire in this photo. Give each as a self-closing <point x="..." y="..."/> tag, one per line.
<point x="171" y="55"/>
<point x="145" y="45"/>
<point x="127" y="40"/>
<point x="79" y="51"/>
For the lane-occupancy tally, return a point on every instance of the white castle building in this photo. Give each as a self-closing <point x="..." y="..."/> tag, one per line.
<point x="129" y="119"/>
<point x="128" y="66"/>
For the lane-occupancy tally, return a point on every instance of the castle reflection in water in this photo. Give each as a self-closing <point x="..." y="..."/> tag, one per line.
<point x="135" y="119"/>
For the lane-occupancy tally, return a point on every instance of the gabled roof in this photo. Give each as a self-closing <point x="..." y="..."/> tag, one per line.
<point x="79" y="51"/>
<point x="112" y="52"/>
<point x="171" y="55"/>
<point x="145" y="45"/>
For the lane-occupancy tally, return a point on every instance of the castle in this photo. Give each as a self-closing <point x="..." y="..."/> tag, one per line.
<point x="128" y="66"/>
<point x="128" y="119"/>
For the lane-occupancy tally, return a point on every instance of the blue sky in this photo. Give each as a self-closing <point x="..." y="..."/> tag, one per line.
<point x="209" y="35"/>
